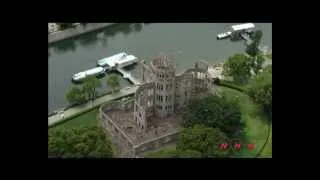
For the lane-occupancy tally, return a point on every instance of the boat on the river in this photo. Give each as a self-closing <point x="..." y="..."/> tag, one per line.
<point x="97" y="71"/>
<point x="119" y="60"/>
<point x="224" y="35"/>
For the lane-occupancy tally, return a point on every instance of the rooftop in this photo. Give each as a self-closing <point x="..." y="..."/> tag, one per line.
<point x="117" y="59"/>
<point x="242" y="26"/>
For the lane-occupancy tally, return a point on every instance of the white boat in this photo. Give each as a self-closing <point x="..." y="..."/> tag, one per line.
<point x="241" y="27"/>
<point x="91" y="72"/>
<point x="118" y="60"/>
<point x="224" y="35"/>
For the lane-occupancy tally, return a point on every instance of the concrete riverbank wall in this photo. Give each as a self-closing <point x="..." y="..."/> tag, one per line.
<point x="76" y="31"/>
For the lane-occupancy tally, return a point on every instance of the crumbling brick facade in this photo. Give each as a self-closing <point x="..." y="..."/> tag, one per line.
<point x="153" y="119"/>
<point x="163" y="92"/>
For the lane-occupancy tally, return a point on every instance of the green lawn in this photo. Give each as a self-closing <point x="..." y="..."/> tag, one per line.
<point x="255" y="120"/>
<point x="88" y="118"/>
<point x="167" y="148"/>
<point x="267" y="151"/>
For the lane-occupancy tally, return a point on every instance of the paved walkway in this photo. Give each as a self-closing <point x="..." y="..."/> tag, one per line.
<point x="77" y="109"/>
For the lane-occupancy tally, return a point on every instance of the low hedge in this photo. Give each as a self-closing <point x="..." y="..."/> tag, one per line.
<point x="229" y="84"/>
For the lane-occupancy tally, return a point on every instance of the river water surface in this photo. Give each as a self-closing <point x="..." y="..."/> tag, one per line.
<point x="182" y="42"/>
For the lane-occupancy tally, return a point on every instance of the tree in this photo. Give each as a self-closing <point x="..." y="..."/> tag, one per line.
<point x="257" y="36"/>
<point x="238" y="66"/>
<point x="87" y="141"/>
<point x="174" y="153"/>
<point x="76" y="96"/>
<point x="203" y="139"/>
<point x="268" y="68"/>
<point x="256" y="63"/>
<point x="260" y="89"/>
<point x="253" y="48"/>
<point x="113" y="81"/>
<point x="90" y="85"/>
<point x="214" y="112"/>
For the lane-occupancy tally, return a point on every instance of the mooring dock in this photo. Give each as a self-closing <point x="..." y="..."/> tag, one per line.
<point x="127" y="75"/>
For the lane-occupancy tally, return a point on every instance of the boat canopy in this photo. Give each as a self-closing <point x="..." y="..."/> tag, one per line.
<point x="79" y="75"/>
<point x="120" y="58"/>
<point x="239" y="27"/>
<point x="94" y="71"/>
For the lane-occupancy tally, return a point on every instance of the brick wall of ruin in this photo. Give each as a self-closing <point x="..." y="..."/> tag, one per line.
<point x="165" y="94"/>
<point x="116" y="133"/>
<point x="147" y="75"/>
<point x="127" y="147"/>
<point x="183" y="90"/>
<point x="164" y="72"/>
<point x="144" y="105"/>
<point x="192" y="83"/>
<point x="120" y="105"/>
<point x="172" y="92"/>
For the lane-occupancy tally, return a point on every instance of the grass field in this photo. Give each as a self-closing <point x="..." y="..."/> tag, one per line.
<point x="153" y="154"/>
<point x="267" y="151"/>
<point x="256" y="123"/>
<point x="89" y="118"/>
<point x="255" y="120"/>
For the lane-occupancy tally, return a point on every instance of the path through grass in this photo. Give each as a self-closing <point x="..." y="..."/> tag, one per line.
<point x="256" y="130"/>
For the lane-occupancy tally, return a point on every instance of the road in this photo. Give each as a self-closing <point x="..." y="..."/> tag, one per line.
<point x="77" y="109"/>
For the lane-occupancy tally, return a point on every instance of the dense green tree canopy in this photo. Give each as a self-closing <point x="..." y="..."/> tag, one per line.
<point x="203" y="139"/>
<point x="253" y="48"/>
<point x="90" y="85"/>
<point x="257" y="36"/>
<point x="256" y="63"/>
<point x="214" y="112"/>
<point x="238" y="66"/>
<point x="76" y="95"/>
<point x="79" y="142"/>
<point x="113" y="81"/>
<point x="268" y="68"/>
<point x="260" y="89"/>
<point x="241" y="67"/>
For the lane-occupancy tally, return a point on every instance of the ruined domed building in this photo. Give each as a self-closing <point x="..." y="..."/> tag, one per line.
<point x="164" y="93"/>
<point x="152" y="119"/>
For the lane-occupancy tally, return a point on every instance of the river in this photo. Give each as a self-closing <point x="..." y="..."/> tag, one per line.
<point x="182" y="42"/>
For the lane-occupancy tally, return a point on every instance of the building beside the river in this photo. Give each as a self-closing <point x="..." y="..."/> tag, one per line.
<point x="164" y="93"/>
<point x="153" y="117"/>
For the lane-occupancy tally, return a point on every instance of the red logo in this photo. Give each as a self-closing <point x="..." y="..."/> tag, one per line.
<point x="236" y="146"/>
<point x="223" y="146"/>
<point x="251" y="146"/>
